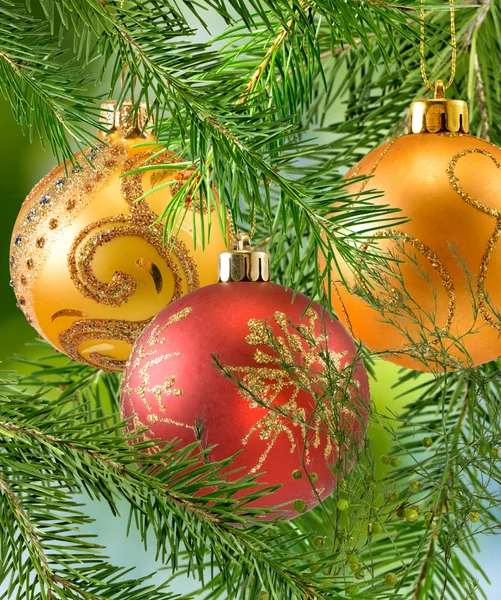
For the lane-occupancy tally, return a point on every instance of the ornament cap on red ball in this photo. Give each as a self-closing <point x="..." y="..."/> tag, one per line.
<point x="243" y="263"/>
<point x="172" y="386"/>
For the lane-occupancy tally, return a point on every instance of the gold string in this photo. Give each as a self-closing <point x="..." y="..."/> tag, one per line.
<point x="234" y="234"/>
<point x="453" y="43"/>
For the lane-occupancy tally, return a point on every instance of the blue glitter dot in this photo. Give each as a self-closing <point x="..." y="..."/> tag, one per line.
<point x="59" y="183"/>
<point x="31" y="214"/>
<point x="17" y="241"/>
<point x="45" y="199"/>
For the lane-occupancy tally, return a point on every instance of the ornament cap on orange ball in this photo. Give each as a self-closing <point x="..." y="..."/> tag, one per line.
<point x="438" y="114"/>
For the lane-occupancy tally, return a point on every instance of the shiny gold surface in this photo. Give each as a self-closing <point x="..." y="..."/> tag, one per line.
<point x="124" y="119"/>
<point x="89" y="264"/>
<point x="243" y="263"/>
<point x="437" y="115"/>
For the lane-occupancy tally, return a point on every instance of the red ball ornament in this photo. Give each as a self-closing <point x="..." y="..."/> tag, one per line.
<point x="172" y="386"/>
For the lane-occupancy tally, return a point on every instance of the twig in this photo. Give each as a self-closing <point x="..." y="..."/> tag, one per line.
<point x="441" y="507"/>
<point x="383" y="4"/>
<point x="30" y="532"/>
<point x="28" y="431"/>
<point x="485" y="6"/>
<point x="481" y="101"/>
<point x="345" y="47"/>
<point x="277" y="42"/>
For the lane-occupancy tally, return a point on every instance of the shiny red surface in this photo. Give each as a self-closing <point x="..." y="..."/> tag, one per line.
<point x="219" y="324"/>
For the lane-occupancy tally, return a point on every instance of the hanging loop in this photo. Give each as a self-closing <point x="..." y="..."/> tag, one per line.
<point x="439" y="89"/>
<point x="453" y="44"/>
<point x="236" y="237"/>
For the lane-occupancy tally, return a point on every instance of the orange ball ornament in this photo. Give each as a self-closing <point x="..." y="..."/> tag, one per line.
<point x="89" y="264"/>
<point x="432" y="305"/>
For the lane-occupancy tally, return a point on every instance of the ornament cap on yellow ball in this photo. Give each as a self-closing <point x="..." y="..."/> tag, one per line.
<point x="424" y="292"/>
<point x="127" y="119"/>
<point x="89" y="263"/>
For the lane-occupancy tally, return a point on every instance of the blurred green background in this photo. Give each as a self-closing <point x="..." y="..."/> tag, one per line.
<point x="22" y="164"/>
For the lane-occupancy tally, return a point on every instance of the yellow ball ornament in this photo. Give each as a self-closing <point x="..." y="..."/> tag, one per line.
<point x="89" y="264"/>
<point x="431" y="304"/>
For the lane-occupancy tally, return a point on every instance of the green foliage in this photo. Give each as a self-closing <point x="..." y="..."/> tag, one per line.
<point x="251" y="110"/>
<point x="55" y="444"/>
<point x="459" y="475"/>
<point x="44" y="87"/>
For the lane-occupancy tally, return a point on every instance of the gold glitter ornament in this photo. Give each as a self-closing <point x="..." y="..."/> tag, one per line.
<point x="433" y="304"/>
<point x="89" y="265"/>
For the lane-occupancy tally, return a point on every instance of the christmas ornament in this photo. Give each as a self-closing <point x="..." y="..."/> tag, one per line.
<point x="88" y="261"/>
<point x="438" y="304"/>
<point x="432" y="305"/>
<point x="172" y="386"/>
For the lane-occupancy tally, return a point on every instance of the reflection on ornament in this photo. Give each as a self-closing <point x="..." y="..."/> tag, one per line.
<point x="89" y="263"/>
<point x="431" y="305"/>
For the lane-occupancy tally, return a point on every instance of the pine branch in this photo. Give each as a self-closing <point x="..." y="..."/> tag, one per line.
<point x="45" y="93"/>
<point x="258" y="153"/>
<point x="5" y="428"/>
<point x="32" y="541"/>
<point x="201" y="92"/>
<point x="64" y="443"/>
<point x="442" y="502"/>
<point x="269" y="56"/>
<point x="460" y="490"/>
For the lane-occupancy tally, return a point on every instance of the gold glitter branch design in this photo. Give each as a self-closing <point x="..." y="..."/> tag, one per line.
<point x="437" y="266"/>
<point x="433" y="259"/>
<point x="149" y="350"/>
<point x="269" y="379"/>
<point x="422" y="249"/>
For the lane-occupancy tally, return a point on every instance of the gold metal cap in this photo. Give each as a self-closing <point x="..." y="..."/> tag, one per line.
<point x="243" y="263"/>
<point x="124" y="120"/>
<point x="438" y="114"/>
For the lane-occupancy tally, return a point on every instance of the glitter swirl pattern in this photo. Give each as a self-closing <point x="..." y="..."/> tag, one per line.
<point x="491" y="244"/>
